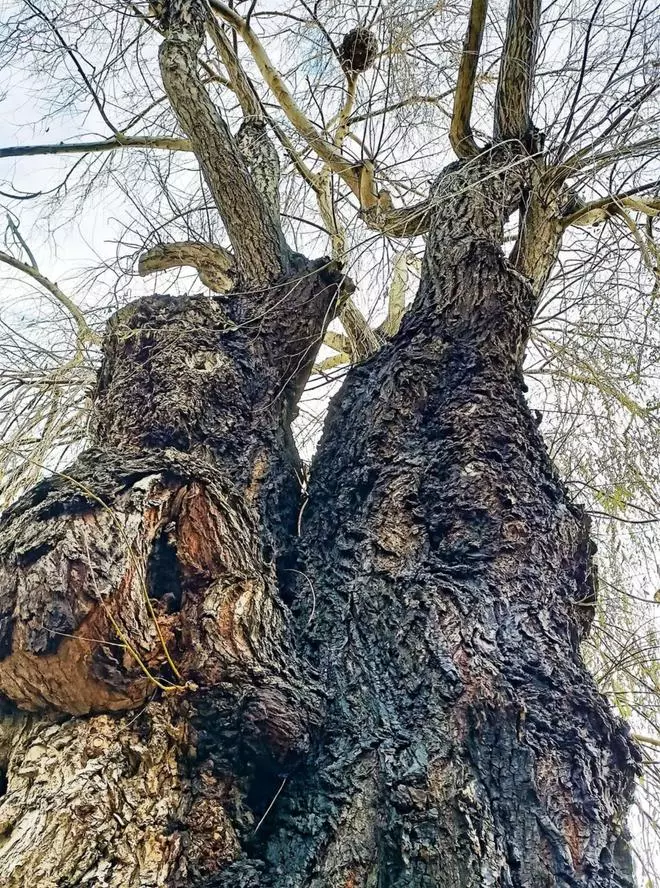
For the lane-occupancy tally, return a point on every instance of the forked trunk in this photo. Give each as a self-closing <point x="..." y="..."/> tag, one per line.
<point x="381" y="689"/>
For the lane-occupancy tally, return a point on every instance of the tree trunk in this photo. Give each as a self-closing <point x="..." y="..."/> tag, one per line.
<point x="380" y="686"/>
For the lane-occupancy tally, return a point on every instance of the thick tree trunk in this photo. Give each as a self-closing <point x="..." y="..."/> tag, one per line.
<point x="466" y="745"/>
<point x="383" y="688"/>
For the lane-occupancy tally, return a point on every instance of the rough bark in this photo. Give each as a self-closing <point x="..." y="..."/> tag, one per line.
<point x="252" y="225"/>
<point x="465" y="744"/>
<point x="383" y="688"/>
<point x="144" y="579"/>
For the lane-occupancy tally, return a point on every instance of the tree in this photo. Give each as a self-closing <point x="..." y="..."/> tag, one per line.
<point x="220" y="671"/>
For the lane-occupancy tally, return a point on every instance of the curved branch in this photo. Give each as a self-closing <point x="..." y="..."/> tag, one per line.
<point x="214" y="265"/>
<point x="460" y="132"/>
<point x="516" y="80"/>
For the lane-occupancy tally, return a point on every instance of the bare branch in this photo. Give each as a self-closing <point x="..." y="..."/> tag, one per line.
<point x="85" y="334"/>
<point x="396" y="296"/>
<point x="240" y="82"/>
<point x="460" y="132"/>
<point x="74" y="58"/>
<point x="338" y="163"/>
<point x="364" y="341"/>
<point x="516" y="80"/>
<point x="169" y="143"/>
<point x="215" y="265"/>
<point x="336" y="341"/>
<point x="599" y="210"/>
<point x="257" y="240"/>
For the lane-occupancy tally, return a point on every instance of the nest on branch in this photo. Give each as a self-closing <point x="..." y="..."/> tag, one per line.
<point x="358" y="50"/>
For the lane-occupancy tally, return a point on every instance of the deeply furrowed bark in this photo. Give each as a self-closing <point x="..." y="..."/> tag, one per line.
<point x="423" y="719"/>
<point x="465" y="745"/>
<point x="148" y="571"/>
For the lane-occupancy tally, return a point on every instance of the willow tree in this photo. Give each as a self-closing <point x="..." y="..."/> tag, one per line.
<point x="220" y="670"/>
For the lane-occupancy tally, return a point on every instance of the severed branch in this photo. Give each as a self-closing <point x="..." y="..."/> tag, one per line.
<point x="214" y="265"/>
<point x="516" y="79"/>
<point x="460" y="132"/>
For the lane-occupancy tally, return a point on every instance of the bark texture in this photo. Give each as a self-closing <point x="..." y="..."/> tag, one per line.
<point x="465" y="744"/>
<point x="147" y="573"/>
<point x="252" y="224"/>
<point x="381" y="690"/>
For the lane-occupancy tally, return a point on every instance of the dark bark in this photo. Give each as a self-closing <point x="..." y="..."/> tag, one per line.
<point x="465" y="744"/>
<point x="381" y="689"/>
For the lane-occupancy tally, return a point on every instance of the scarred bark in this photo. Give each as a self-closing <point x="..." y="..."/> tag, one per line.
<point x="421" y="716"/>
<point x="144" y="579"/>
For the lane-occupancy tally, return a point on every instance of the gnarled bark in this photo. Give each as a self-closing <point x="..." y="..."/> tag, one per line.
<point x="144" y="579"/>
<point x="215" y="682"/>
<point x="465" y="744"/>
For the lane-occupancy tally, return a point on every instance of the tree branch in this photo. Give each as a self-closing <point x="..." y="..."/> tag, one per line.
<point x="516" y="80"/>
<point x="85" y="333"/>
<point x="258" y="243"/>
<point x="396" y="296"/>
<point x="74" y="58"/>
<point x="346" y="168"/>
<point x="460" y="132"/>
<point x="214" y="265"/>
<point x="169" y="143"/>
<point x="599" y="210"/>
<point x="240" y="82"/>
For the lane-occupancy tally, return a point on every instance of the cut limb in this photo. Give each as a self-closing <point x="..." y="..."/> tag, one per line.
<point x="214" y="264"/>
